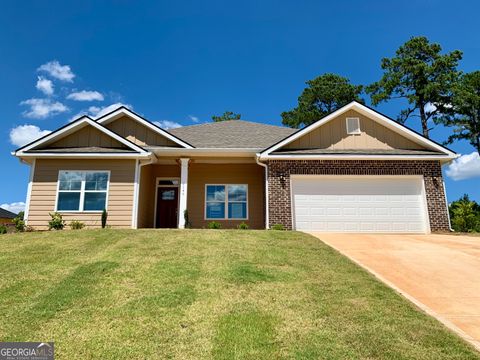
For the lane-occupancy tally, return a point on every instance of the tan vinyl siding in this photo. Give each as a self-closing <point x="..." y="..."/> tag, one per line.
<point x="85" y="137"/>
<point x="149" y="174"/>
<point x="138" y="133"/>
<point x="333" y="135"/>
<point x="120" y="195"/>
<point x="250" y="174"/>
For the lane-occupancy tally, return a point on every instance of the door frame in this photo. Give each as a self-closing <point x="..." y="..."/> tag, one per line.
<point x="156" y="195"/>
<point x="418" y="177"/>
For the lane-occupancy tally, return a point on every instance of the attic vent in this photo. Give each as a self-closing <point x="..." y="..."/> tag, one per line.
<point x="353" y="126"/>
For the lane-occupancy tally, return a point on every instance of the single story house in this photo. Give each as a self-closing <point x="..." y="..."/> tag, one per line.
<point x="6" y="217"/>
<point x="354" y="170"/>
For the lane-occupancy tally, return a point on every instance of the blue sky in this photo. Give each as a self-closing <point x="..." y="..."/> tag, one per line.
<point x="186" y="61"/>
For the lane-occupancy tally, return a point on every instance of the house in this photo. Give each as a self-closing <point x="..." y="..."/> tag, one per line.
<point x="354" y="170"/>
<point x="6" y="217"/>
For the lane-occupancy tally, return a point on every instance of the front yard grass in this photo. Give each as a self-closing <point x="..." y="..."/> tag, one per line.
<point x="201" y="294"/>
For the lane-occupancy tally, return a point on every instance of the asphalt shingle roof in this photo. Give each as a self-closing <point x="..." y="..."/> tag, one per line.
<point x="5" y="214"/>
<point x="232" y="134"/>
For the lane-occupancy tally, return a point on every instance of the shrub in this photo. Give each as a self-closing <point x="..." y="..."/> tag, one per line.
<point x="104" y="218"/>
<point x="214" y="225"/>
<point x="19" y="222"/>
<point x="242" y="226"/>
<point x="465" y="215"/>
<point x="76" y="225"/>
<point x="3" y="229"/>
<point x="187" y="220"/>
<point x="277" y="227"/>
<point x="57" y="222"/>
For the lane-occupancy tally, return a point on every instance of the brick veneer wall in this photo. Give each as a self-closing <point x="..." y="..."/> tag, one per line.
<point x="279" y="172"/>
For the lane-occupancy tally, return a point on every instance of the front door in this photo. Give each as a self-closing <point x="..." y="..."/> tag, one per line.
<point x="167" y="207"/>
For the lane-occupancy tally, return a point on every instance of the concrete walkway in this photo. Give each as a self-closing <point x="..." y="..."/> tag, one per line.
<point x="439" y="273"/>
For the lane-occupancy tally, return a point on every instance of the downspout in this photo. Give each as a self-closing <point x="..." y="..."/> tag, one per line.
<point x="257" y="159"/>
<point x="445" y="194"/>
<point x="138" y="176"/>
<point x="446" y="204"/>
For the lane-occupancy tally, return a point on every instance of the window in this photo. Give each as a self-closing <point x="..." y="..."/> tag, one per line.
<point x="168" y="182"/>
<point x="82" y="190"/>
<point x="226" y="202"/>
<point x="353" y="126"/>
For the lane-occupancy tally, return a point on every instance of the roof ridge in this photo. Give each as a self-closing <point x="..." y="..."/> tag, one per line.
<point x="233" y="120"/>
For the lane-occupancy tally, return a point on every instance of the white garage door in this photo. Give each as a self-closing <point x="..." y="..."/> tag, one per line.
<point x="358" y="204"/>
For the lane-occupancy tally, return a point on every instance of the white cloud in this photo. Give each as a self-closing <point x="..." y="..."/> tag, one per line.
<point x="77" y="115"/>
<point x="85" y="96"/>
<point x="429" y="107"/>
<point x="167" y="124"/>
<point x="58" y="71"/>
<point x="465" y="167"/>
<point x="15" y="207"/>
<point x="96" y="111"/>
<point x="45" y="85"/>
<point x="25" y="134"/>
<point x="43" y="108"/>
<point x="194" y="118"/>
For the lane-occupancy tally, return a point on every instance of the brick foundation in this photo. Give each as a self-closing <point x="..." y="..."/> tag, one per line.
<point x="279" y="172"/>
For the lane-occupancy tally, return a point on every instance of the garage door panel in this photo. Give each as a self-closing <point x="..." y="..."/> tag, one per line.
<point x="358" y="204"/>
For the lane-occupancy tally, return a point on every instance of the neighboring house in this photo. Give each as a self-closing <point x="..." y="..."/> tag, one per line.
<point x="6" y="216"/>
<point x="355" y="170"/>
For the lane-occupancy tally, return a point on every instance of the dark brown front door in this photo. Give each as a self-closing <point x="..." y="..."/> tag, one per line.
<point x="167" y="207"/>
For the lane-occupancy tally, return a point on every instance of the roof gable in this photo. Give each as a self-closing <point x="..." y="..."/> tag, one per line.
<point x="408" y="138"/>
<point x="134" y="135"/>
<point x="138" y="133"/>
<point x="82" y="133"/>
<point x="333" y="135"/>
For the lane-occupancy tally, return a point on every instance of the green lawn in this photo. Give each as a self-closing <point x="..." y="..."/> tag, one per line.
<point x="193" y="294"/>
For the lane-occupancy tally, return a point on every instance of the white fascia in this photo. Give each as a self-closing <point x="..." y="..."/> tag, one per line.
<point x="383" y="120"/>
<point x="83" y="155"/>
<point x="356" y="157"/>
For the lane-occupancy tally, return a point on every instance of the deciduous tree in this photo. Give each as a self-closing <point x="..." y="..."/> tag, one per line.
<point x="227" y="115"/>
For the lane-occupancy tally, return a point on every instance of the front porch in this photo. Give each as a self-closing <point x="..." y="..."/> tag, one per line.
<point x="169" y="187"/>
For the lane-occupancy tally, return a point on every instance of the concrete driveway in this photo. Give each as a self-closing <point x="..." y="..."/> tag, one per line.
<point x="439" y="273"/>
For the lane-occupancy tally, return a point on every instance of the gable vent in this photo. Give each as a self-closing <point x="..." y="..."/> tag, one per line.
<point x="353" y="126"/>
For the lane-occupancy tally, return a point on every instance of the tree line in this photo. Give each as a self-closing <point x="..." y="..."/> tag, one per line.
<point x="435" y="91"/>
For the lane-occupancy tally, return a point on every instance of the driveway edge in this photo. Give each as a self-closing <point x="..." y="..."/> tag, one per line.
<point x="421" y="306"/>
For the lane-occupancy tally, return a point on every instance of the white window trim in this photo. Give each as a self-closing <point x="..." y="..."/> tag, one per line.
<point x="359" y="131"/>
<point x="225" y="215"/>
<point x="82" y="193"/>
<point x="157" y="185"/>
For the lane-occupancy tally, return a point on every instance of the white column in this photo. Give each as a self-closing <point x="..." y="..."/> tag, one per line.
<point x="136" y="187"/>
<point x="29" y="192"/>
<point x="183" y="192"/>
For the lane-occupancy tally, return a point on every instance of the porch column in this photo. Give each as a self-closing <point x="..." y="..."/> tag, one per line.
<point x="183" y="192"/>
